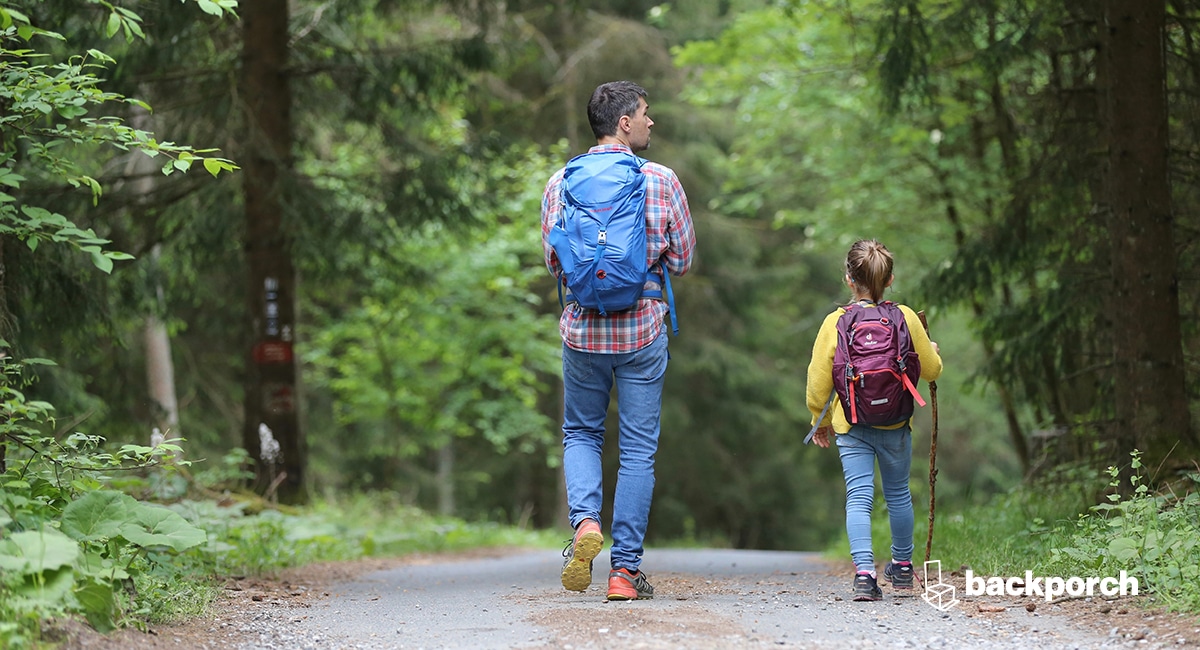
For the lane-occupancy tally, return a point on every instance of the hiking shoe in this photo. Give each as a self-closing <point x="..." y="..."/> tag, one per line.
<point x="623" y="585"/>
<point x="579" y="553"/>
<point x="900" y="574"/>
<point x="865" y="587"/>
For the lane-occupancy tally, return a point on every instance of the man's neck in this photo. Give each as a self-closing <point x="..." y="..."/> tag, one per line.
<point x="611" y="140"/>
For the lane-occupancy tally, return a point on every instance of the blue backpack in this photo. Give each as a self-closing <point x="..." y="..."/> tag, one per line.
<point x="600" y="237"/>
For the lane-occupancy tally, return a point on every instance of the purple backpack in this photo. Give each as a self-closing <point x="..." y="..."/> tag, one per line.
<point x="875" y="368"/>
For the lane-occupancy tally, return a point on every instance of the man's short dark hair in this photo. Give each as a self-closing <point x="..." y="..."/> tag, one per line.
<point x="609" y="103"/>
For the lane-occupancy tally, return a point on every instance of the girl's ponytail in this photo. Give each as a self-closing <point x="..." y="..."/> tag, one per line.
<point x="869" y="267"/>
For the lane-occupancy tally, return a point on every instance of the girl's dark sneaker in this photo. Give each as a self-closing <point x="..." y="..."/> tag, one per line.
<point x="623" y="585"/>
<point x="865" y="587"/>
<point x="900" y="574"/>
<point x="578" y="555"/>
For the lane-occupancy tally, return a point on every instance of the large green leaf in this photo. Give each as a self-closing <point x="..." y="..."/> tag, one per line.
<point x="158" y="526"/>
<point x="98" y="515"/>
<point x="1124" y="548"/>
<point x="33" y="552"/>
<point x="99" y="604"/>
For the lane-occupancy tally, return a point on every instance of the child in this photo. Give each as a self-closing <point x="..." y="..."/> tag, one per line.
<point x="868" y="273"/>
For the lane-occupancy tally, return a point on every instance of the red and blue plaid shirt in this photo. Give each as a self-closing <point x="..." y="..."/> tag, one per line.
<point x="670" y="238"/>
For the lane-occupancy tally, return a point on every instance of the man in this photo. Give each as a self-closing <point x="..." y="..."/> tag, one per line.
<point x="628" y="348"/>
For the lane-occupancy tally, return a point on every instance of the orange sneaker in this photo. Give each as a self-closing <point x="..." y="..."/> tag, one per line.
<point x="623" y="585"/>
<point x="579" y="553"/>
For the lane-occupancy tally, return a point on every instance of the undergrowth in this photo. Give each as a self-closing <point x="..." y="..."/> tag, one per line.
<point x="1153" y="536"/>
<point x="135" y="535"/>
<point x="242" y="535"/>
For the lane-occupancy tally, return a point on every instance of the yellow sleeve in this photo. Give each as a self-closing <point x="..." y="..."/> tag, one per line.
<point x="931" y="362"/>
<point x="820" y="369"/>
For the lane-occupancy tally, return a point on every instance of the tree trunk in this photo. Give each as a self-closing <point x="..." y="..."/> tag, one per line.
<point x="160" y="370"/>
<point x="160" y="377"/>
<point x="566" y="23"/>
<point x="266" y="159"/>
<point x="1151" y="405"/>
<point x="445" y="479"/>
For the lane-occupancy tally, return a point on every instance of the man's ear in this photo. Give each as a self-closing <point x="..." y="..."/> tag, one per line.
<point x="623" y="123"/>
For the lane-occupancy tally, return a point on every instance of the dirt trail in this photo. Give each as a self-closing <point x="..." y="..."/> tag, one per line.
<point x="704" y="599"/>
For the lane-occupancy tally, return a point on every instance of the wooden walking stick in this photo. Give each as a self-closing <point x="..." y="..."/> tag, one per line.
<point x="933" y="431"/>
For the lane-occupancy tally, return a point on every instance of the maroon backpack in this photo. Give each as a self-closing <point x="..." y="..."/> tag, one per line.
<point x="875" y="368"/>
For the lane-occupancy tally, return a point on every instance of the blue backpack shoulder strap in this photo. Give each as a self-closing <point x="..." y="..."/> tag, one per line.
<point x="653" y="276"/>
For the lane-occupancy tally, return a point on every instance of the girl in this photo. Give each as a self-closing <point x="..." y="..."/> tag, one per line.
<point x="868" y="273"/>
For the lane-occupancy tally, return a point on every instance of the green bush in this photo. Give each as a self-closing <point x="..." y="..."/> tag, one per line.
<point x="1155" y="537"/>
<point x="68" y="543"/>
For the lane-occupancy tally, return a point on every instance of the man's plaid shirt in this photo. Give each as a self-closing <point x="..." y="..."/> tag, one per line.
<point x="670" y="238"/>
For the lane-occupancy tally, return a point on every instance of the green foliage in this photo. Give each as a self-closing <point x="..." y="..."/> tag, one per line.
<point x="68" y="544"/>
<point x="46" y="124"/>
<point x="449" y="347"/>
<point x="346" y="527"/>
<point x="963" y="136"/>
<point x="1012" y="531"/>
<point x="231" y="470"/>
<point x="810" y="149"/>
<point x="1155" y="537"/>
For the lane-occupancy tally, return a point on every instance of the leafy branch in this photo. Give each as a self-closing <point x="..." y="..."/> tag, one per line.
<point x="49" y="108"/>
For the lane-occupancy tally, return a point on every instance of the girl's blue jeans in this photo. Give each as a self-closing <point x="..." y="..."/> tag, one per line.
<point x="859" y="450"/>
<point x="588" y="379"/>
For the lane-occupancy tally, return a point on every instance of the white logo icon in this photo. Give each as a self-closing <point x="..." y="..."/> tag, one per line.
<point x="939" y="594"/>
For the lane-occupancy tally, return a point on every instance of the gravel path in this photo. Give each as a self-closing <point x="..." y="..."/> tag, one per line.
<point x="704" y="599"/>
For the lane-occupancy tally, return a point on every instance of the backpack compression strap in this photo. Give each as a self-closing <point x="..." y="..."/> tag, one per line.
<point x="820" y="418"/>
<point x="908" y="385"/>
<point x="853" y="402"/>
<point x="651" y="276"/>
<point x="912" y="389"/>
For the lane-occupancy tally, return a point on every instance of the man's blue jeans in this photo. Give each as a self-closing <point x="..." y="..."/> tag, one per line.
<point x="859" y="449"/>
<point x="587" y="382"/>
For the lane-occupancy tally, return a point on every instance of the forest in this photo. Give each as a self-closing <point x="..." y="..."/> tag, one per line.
<point x="287" y="253"/>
